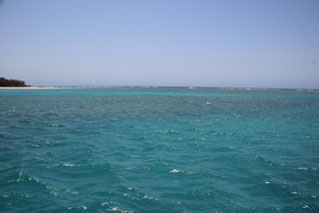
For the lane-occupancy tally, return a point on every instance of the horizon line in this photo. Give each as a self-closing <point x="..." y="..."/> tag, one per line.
<point x="180" y="86"/>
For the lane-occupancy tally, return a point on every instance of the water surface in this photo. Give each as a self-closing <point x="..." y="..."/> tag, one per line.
<point x="159" y="150"/>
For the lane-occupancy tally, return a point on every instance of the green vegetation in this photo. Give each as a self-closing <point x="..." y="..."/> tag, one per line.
<point x="12" y="83"/>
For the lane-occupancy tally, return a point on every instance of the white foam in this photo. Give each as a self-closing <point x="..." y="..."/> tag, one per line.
<point x="117" y="209"/>
<point x="306" y="207"/>
<point x="267" y="182"/>
<point x="69" y="165"/>
<point x="177" y="202"/>
<point x="148" y="197"/>
<point x="294" y="193"/>
<point x="302" y="168"/>
<point x="175" y="171"/>
<point x="114" y="209"/>
<point x="84" y="207"/>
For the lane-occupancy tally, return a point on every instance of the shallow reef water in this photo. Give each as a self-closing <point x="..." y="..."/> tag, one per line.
<point x="149" y="149"/>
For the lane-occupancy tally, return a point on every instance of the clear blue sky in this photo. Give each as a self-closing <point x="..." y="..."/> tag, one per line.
<point x="269" y="43"/>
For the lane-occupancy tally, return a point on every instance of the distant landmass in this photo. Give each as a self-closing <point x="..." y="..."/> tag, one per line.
<point x="12" y="83"/>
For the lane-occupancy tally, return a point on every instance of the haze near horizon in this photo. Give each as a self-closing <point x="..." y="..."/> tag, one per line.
<point x="161" y="43"/>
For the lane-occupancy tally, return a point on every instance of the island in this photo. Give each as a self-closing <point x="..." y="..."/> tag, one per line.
<point x="12" y="83"/>
<point x="16" y="84"/>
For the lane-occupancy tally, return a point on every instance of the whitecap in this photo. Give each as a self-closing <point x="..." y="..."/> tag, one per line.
<point x="114" y="208"/>
<point x="104" y="203"/>
<point x="294" y="193"/>
<point x="267" y="182"/>
<point x="302" y="168"/>
<point x="148" y="197"/>
<point x="69" y="165"/>
<point x="84" y="207"/>
<point x="175" y="171"/>
<point x="177" y="202"/>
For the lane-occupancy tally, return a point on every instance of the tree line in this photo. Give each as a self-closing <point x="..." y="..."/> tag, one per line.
<point x="11" y="83"/>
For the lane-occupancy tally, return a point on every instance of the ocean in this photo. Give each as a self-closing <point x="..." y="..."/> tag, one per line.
<point x="148" y="149"/>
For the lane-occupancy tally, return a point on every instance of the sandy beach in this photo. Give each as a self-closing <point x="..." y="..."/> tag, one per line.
<point x="25" y="87"/>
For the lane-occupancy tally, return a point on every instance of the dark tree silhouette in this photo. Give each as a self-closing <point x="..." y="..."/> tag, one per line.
<point x="11" y="83"/>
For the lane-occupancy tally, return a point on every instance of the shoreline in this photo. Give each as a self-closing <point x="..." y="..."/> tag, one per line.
<point x="25" y="88"/>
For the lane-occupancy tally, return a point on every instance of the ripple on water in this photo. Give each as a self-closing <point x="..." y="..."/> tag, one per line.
<point x="159" y="150"/>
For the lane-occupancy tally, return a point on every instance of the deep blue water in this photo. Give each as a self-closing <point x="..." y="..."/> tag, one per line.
<point x="159" y="150"/>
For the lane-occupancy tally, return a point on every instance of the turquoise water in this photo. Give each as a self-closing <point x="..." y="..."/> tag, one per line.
<point x="159" y="150"/>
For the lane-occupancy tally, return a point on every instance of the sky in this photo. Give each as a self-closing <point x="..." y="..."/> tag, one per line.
<point x="246" y="43"/>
